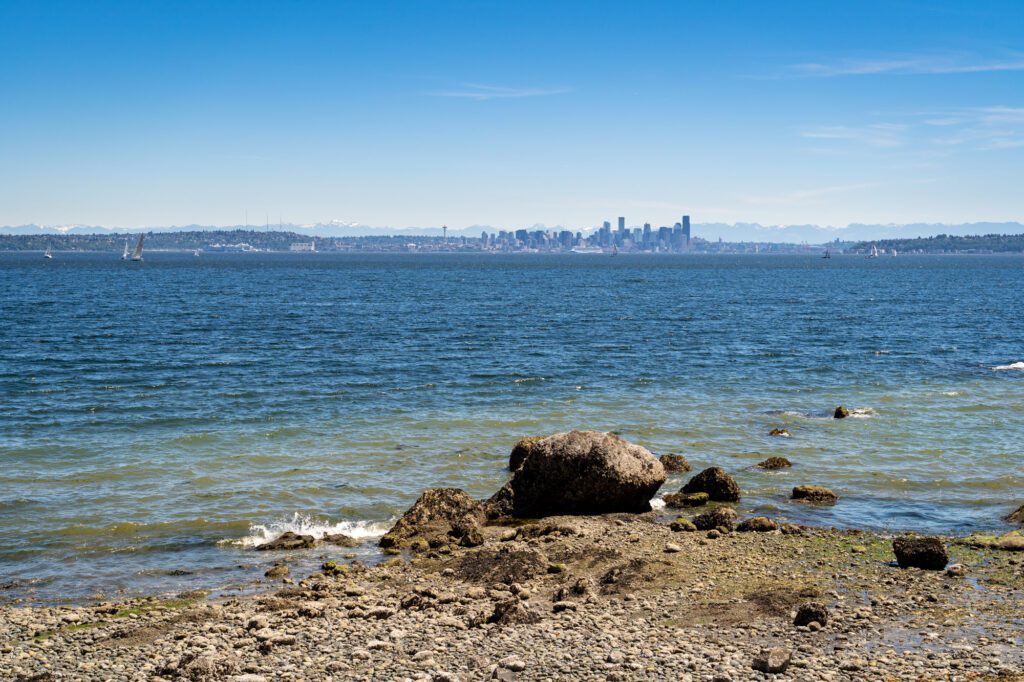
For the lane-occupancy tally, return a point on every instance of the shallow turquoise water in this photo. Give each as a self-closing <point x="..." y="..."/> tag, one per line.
<point x="155" y="415"/>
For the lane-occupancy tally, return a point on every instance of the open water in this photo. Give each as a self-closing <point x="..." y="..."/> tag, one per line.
<point x="158" y="419"/>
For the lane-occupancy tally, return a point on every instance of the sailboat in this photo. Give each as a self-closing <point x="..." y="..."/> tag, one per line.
<point x="894" y="252"/>
<point x="124" y="255"/>
<point x="137" y="253"/>
<point x="48" y="253"/>
<point x="874" y="252"/>
<point x="615" y="250"/>
<point x="827" y="254"/>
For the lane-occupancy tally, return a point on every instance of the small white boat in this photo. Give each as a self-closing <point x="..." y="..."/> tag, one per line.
<point x="874" y="252"/>
<point x="124" y="255"/>
<point x="48" y="253"/>
<point x="137" y="253"/>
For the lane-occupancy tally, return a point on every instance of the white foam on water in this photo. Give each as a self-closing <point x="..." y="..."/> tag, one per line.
<point x="310" y="525"/>
<point x="952" y="394"/>
<point x="862" y="413"/>
<point x="657" y="503"/>
<point x="1012" y="365"/>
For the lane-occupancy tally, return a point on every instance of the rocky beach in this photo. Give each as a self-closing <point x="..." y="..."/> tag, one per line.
<point x="566" y="573"/>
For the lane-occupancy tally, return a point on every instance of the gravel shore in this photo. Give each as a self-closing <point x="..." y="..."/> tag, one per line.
<point x="615" y="597"/>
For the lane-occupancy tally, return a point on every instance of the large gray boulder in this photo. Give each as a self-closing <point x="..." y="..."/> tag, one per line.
<point x="439" y="517"/>
<point x="580" y="472"/>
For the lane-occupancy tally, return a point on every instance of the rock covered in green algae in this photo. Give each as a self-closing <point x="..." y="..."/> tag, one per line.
<point x="720" y="486"/>
<point x="439" y="516"/>
<point x="674" y="463"/>
<point x="814" y="493"/>
<point x="920" y="552"/>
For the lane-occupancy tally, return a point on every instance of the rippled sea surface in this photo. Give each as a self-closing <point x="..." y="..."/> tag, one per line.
<point x="158" y="419"/>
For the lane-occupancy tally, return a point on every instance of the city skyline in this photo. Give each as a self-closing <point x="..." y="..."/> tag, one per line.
<point x="783" y="114"/>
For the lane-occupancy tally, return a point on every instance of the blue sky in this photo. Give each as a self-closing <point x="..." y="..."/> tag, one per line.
<point x="511" y="113"/>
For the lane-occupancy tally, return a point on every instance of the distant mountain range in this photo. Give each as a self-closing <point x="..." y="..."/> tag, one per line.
<point x="738" y="232"/>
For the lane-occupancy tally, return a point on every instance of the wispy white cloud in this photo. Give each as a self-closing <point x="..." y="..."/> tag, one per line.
<point x="921" y="133"/>
<point x="908" y="65"/>
<point x="882" y="135"/>
<point x="805" y="196"/>
<point x="481" y="92"/>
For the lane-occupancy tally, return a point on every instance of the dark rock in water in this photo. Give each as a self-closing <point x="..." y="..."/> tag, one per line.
<point x="773" y="661"/>
<point x="682" y="525"/>
<point x="781" y="433"/>
<point x="342" y="540"/>
<point x="1016" y="516"/>
<point x="673" y="462"/>
<point x="814" y="493"/>
<point x="920" y="552"/>
<point x="720" y="486"/>
<point x="841" y="413"/>
<point x="440" y="516"/>
<point x="758" y="524"/>
<point x="512" y="612"/>
<point x="720" y="518"/>
<point x="682" y="500"/>
<point x="521" y="450"/>
<point x="288" y="541"/>
<point x="580" y="472"/>
<point x="811" y="612"/>
<point x="277" y="571"/>
<point x="774" y="463"/>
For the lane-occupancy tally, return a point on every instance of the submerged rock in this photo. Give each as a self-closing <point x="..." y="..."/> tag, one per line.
<point x="841" y="412"/>
<point x="673" y="462"/>
<point x="685" y="500"/>
<point x="521" y="450"/>
<point x="780" y="433"/>
<point x="288" y="541"/>
<point x="758" y="524"/>
<point x="920" y="552"/>
<point x="720" y="486"/>
<point x="774" y="463"/>
<point x="580" y="472"/>
<point x="439" y="516"/>
<point x="1016" y="516"/>
<point x="682" y="500"/>
<point x="277" y="571"/>
<point x="814" y="493"/>
<point x="342" y="540"/>
<point x="720" y="518"/>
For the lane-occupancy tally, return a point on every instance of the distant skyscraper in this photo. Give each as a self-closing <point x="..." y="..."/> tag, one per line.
<point x="686" y="230"/>
<point x="622" y="224"/>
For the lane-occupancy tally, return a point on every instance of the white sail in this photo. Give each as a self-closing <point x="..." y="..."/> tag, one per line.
<point x="137" y="253"/>
<point x="124" y="256"/>
<point x="48" y="253"/>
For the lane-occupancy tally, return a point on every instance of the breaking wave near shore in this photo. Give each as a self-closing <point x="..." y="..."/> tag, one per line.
<point x="304" y="524"/>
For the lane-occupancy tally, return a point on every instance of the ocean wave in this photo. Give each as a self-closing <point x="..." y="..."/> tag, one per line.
<point x="1012" y="365"/>
<point x="862" y="412"/>
<point x="304" y="524"/>
<point x="657" y="503"/>
<point x="855" y="413"/>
